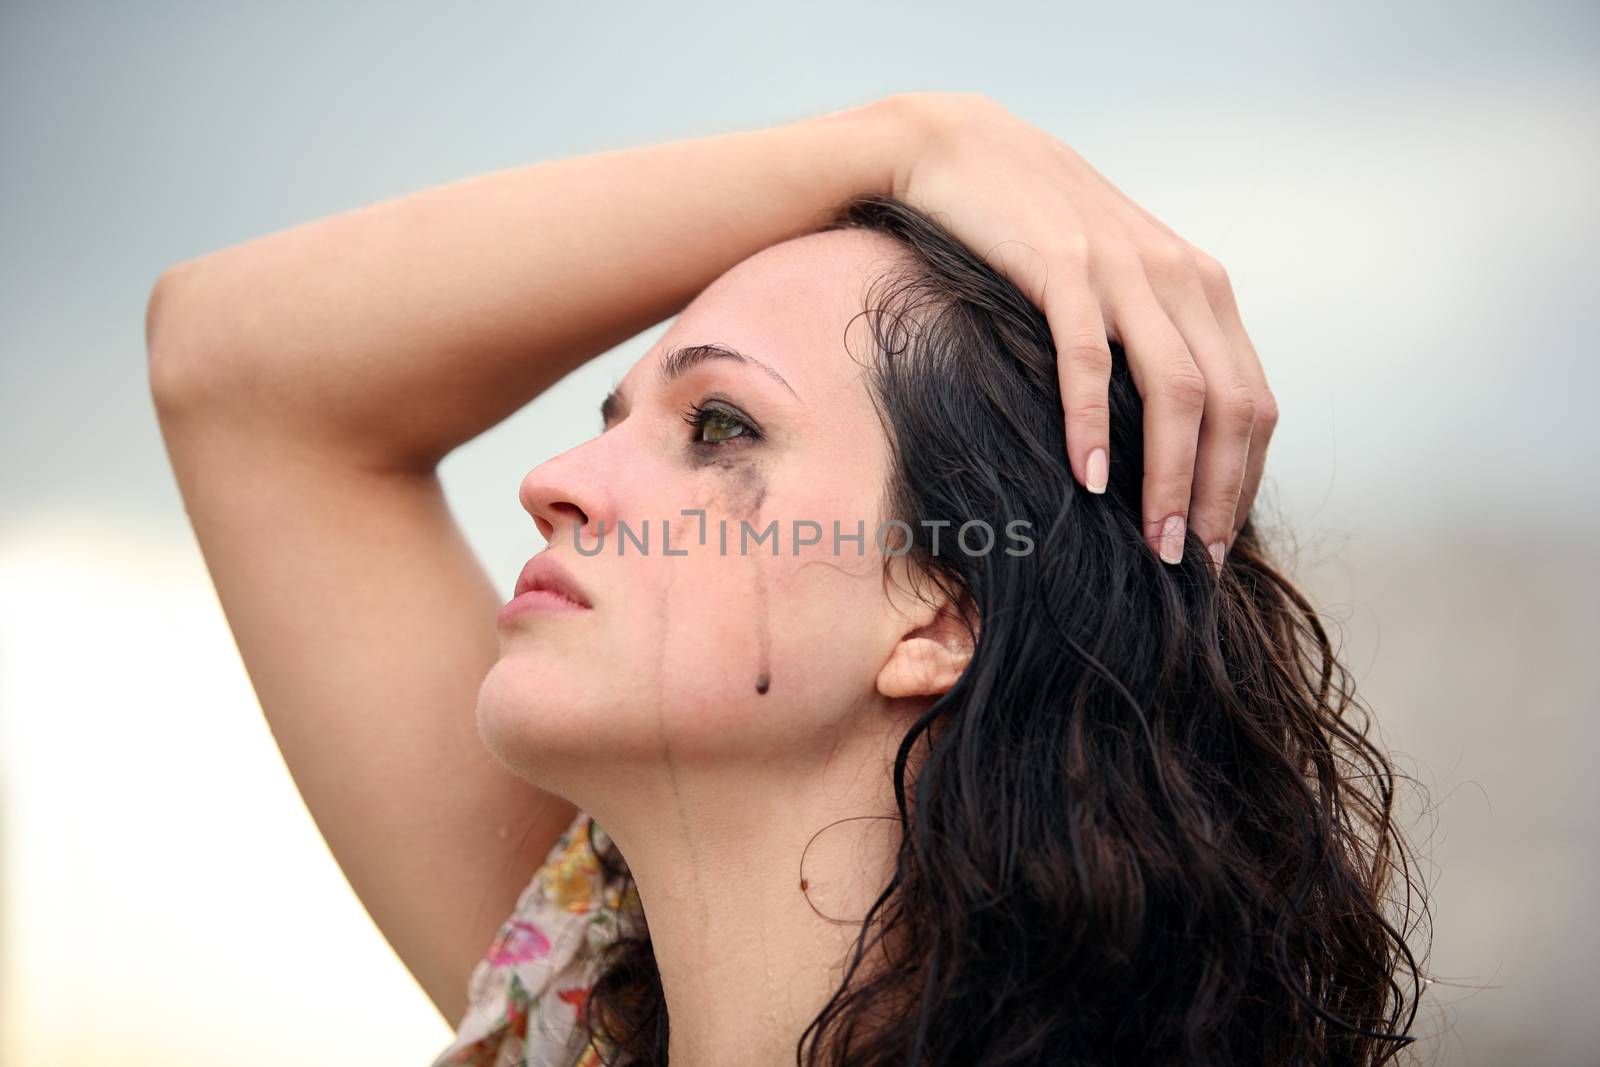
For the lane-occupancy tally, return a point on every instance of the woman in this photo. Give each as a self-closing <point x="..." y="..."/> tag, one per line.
<point x="888" y="790"/>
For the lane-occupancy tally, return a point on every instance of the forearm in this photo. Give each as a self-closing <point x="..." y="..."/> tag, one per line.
<point x="396" y="332"/>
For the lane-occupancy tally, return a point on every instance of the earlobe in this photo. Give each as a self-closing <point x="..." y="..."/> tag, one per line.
<point x="928" y="660"/>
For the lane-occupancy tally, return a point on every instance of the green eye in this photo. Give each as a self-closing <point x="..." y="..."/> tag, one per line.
<point x="714" y="425"/>
<point x="720" y="426"/>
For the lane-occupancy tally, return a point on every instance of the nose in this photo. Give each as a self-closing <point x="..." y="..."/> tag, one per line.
<point x="564" y="497"/>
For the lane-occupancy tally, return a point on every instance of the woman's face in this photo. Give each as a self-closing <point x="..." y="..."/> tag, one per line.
<point x="718" y="653"/>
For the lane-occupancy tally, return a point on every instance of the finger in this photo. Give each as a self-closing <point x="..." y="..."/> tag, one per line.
<point x="1083" y="367"/>
<point x="1226" y="424"/>
<point x="1173" y="389"/>
<point x="1221" y="297"/>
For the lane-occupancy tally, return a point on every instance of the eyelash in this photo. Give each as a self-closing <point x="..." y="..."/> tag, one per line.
<point x="697" y="415"/>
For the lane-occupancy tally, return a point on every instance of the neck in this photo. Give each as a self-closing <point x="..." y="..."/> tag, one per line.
<point x="746" y="959"/>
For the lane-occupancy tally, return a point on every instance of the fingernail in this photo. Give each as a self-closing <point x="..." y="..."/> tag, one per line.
<point x="1097" y="471"/>
<point x="1218" y="550"/>
<point x="1172" y="539"/>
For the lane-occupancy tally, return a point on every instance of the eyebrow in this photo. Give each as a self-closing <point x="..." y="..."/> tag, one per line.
<point x="678" y="362"/>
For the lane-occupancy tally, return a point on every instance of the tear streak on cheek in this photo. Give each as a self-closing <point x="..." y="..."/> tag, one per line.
<point x="747" y="491"/>
<point x="756" y="488"/>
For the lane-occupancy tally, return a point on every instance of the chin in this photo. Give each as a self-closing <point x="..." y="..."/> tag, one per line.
<point x="531" y="718"/>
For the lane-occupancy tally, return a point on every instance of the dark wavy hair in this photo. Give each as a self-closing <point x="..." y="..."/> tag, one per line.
<point x="1147" y="825"/>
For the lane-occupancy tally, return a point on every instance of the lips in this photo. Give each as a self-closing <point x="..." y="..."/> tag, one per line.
<point x="545" y="574"/>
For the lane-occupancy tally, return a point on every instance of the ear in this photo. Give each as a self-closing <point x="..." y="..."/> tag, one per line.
<point x="929" y="657"/>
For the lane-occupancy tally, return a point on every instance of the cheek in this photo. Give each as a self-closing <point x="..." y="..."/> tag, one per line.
<point x="828" y="629"/>
<point x="704" y="662"/>
<point x="761" y="652"/>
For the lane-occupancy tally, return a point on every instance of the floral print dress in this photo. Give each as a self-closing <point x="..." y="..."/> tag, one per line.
<point x="526" y="997"/>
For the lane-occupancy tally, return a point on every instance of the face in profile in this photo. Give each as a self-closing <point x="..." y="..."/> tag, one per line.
<point x="723" y="654"/>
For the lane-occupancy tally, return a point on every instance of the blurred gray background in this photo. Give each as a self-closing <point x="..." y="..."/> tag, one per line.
<point x="1404" y="199"/>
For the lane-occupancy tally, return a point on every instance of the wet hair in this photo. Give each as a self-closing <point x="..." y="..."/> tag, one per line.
<point x="1149" y="823"/>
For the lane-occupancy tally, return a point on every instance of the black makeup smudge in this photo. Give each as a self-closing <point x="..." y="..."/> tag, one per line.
<point x="748" y="483"/>
<point x="755" y="484"/>
<point x="763" y="623"/>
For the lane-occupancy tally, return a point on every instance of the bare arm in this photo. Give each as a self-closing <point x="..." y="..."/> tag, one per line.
<point x="308" y="382"/>
<point x="396" y="332"/>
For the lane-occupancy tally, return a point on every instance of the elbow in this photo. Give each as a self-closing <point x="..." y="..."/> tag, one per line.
<point x="171" y="360"/>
